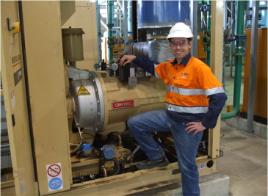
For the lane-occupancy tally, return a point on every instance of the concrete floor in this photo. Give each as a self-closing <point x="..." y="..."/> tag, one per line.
<point x="244" y="161"/>
<point x="245" y="154"/>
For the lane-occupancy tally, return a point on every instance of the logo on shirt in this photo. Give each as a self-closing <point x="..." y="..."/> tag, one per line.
<point x="184" y="75"/>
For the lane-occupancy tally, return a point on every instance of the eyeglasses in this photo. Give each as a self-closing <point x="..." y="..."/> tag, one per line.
<point x="175" y="43"/>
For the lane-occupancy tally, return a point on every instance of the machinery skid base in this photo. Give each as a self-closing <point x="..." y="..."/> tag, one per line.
<point x="157" y="181"/>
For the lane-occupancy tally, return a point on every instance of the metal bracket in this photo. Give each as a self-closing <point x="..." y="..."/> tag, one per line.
<point x="13" y="26"/>
<point x="8" y="25"/>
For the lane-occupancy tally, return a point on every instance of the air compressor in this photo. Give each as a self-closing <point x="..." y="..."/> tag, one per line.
<point x="99" y="104"/>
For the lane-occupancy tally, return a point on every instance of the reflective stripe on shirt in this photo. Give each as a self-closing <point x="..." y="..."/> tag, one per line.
<point x="155" y="73"/>
<point x="193" y="110"/>
<point x="186" y="91"/>
<point x="215" y="90"/>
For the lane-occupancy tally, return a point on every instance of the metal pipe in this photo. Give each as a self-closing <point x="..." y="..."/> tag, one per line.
<point x="206" y="16"/>
<point x="110" y="8"/>
<point x="238" y="61"/>
<point x="119" y="12"/>
<point x="129" y="19"/>
<point x="208" y="30"/>
<point x="193" y="17"/>
<point x="104" y="24"/>
<point x="125" y="22"/>
<point x="232" y="33"/>
<point x="98" y="31"/>
<point x="252" y="66"/>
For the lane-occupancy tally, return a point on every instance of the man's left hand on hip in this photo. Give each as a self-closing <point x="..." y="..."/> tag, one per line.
<point x="195" y="127"/>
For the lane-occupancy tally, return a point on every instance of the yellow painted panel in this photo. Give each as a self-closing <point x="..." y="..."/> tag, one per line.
<point x="15" y="103"/>
<point x="45" y="66"/>
<point x="216" y="66"/>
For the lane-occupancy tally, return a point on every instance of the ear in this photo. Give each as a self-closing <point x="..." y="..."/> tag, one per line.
<point x="190" y="43"/>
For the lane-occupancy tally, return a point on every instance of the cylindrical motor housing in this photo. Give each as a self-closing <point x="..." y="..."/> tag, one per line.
<point x="102" y="102"/>
<point x="89" y="103"/>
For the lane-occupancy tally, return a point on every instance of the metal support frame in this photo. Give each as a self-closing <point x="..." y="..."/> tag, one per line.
<point x="125" y="21"/>
<point x="208" y="50"/>
<point x="110" y="9"/>
<point x="217" y="8"/>
<point x="194" y="11"/>
<point x="98" y="22"/>
<point x="252" y="66"/>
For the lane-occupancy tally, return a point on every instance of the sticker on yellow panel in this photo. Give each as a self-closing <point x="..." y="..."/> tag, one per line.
<point x="82" y="91"/>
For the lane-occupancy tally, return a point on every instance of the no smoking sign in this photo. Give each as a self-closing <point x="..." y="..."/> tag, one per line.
<point x="53" y="170"/>
<point x="54" y="176"/>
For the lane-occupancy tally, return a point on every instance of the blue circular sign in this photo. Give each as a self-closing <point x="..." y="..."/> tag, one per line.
<point x="55" y="183"/>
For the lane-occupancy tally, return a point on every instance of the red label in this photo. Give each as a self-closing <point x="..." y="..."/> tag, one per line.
<point x="123" y="104"/>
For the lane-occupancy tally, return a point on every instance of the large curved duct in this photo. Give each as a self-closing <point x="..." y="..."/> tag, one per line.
<point x="156" y="50"/>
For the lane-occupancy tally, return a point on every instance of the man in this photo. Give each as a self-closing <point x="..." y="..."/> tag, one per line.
<point x="194" y="100"/>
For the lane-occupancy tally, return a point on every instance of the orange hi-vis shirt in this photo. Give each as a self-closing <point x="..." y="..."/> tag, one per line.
<point x="188" y="86"/>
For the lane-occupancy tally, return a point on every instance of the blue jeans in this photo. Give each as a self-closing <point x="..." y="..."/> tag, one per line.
<point x="142" y="128"/>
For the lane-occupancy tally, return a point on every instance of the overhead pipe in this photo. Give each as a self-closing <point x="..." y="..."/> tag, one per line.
<point x="252" y="66"/>
<point x="238" y="61"/>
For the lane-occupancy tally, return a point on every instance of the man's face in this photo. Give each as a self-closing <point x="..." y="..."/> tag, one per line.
<point x="180" y="47"/>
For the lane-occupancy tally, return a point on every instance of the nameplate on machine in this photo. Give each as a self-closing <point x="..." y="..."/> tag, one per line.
<point x="123" y="104"/>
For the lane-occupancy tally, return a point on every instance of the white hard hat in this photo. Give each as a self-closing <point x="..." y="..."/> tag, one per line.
<point x="180" y="30"/>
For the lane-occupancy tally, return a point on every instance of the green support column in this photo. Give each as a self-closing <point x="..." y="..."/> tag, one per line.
<point x="238" y="60"/>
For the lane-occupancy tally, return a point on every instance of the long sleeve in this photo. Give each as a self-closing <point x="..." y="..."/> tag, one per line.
<point x="145" y="63"/>
<point x="216" y="103"/>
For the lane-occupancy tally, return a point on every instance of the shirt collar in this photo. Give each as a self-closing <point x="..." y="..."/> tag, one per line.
<point x="184" y="60"/>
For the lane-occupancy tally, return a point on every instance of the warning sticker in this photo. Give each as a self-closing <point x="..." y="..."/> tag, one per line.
<point x="55" y="184"/>
<point x="123" y="104"/>
<point x="54" y="176"/>
<point x="82" y="91"/>
<point x="53" y="170"/>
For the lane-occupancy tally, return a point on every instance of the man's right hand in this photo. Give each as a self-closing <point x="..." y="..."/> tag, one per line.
<point x="126" y="59"/>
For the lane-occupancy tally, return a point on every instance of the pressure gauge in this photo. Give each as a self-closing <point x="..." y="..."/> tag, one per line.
<point x="114" y="66"/>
